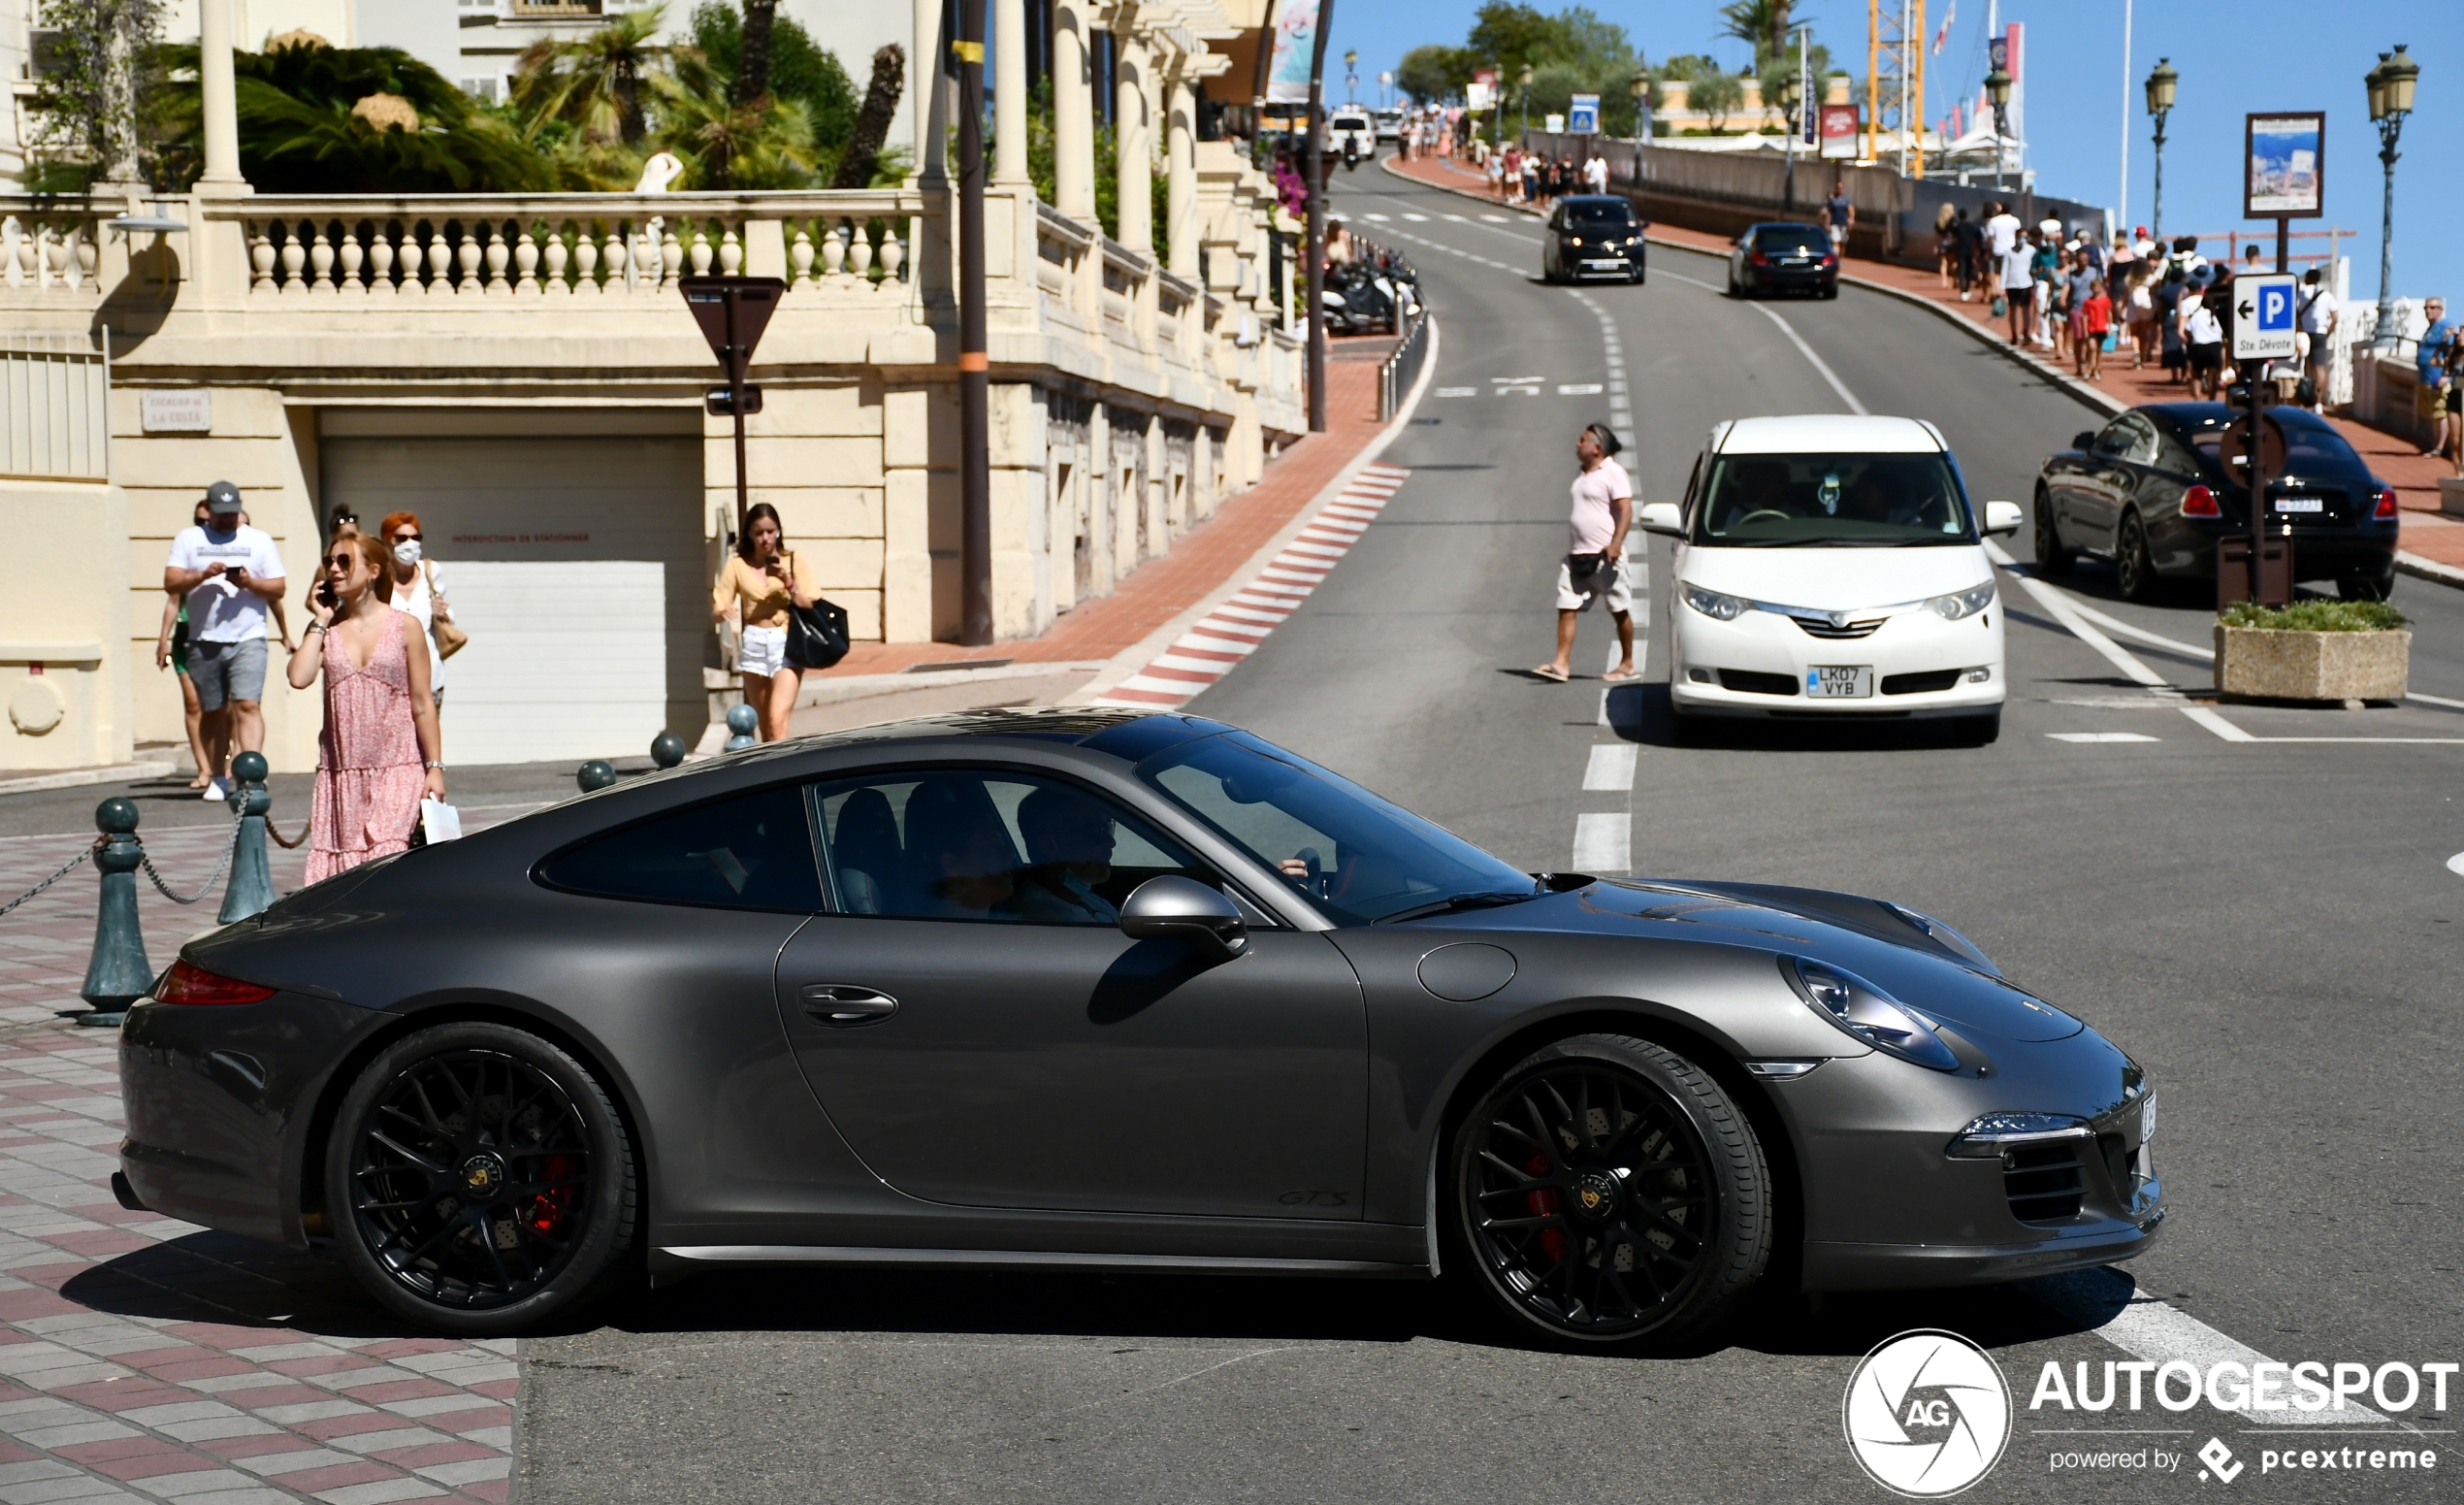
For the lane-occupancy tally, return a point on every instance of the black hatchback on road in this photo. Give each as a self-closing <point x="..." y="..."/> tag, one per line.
<point x="2159" y="486"/>
<point x="1783" y="258"/>
<point x="1593" y="235"/>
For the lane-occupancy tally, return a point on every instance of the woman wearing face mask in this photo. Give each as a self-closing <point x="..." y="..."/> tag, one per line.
<point x="419" y="591"/>
<point x="382" y="751"/>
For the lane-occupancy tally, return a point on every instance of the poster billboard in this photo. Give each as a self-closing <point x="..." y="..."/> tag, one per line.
<point x="1839" y="131"/>
<point x="1582" y="115"/>
<point x="1482" y="92"/>
<point x="1295" y="44"/>
<point x="2287" y="156"/>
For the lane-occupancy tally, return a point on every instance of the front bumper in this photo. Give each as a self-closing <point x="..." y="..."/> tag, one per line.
<point x="1756" y="665"/>
<point x="1887" y="1208"/>
<point x="1602" y="261"/>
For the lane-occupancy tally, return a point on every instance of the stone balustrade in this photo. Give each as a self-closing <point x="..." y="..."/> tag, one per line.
<point x="47" y="248"/>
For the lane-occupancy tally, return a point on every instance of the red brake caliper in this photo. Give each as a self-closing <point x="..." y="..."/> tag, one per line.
<point x="1543" y="1204"/>
<point x="549" y="1208"/>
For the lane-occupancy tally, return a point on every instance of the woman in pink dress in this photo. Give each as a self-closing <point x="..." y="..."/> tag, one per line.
<point x="382" y="751"/>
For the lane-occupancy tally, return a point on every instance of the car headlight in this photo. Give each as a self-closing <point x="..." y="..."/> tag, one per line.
<point x="1960" y="604"/>
<point x="1867" y="1013"/>
<point x="1577" y="240"/>
<point x="1713" y="605"/>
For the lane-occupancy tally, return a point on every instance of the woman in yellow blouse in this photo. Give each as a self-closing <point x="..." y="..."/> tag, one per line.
<point x="762" y="579"/>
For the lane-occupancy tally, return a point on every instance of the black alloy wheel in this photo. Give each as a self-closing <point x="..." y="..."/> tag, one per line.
<point x="479" y="1180"/>
<point x="2051" y="556"/>
<point x="2133" y="571"/>
<point x="1609" y="1191"/>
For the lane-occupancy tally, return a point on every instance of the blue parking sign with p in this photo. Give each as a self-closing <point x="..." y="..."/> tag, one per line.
<point x="2276" y="309"/>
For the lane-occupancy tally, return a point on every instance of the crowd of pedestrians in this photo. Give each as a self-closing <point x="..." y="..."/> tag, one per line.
<point x="1538" y="179"/>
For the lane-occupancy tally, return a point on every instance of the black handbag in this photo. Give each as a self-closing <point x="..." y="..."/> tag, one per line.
<point x="816" y="635"/>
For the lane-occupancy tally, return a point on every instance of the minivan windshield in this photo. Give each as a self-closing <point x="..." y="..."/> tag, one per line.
<point x="1877" y="501"/>
<point x="1599" y="213"/>
<point x="1349" y="853"/>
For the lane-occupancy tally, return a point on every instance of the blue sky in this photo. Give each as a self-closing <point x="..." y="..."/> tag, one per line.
<point x="2252" y="55"/>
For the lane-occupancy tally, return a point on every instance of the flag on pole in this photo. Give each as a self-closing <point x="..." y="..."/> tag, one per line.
<point x="1950" y="13"/>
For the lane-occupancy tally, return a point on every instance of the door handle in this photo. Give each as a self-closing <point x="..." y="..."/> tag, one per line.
<point x="840" y="1006"/>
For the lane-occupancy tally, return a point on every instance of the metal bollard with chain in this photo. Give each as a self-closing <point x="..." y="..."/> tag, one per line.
<point x="251" y="890"/>
<point x="118" y="972"/>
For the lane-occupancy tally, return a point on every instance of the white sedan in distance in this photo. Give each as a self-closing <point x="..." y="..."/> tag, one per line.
<point x="1833" y="566"/>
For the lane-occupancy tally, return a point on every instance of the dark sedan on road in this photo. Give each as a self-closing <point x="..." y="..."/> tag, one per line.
<point x="1783" y="258"/>
<point x="1099" y="990"/>
<point x="1593" y="235"/>
<point x="2159" y="486"/>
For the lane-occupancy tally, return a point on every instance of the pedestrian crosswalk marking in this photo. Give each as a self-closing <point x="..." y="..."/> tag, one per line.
<point x="1578" y="389"/>
<point x="2102" y="737"/>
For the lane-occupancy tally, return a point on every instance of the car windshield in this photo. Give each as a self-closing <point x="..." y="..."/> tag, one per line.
<point x="1776" y="500"/>
<point x="1351" y="854"/>
<point x="1596" y="216"/>
<point x="1784" y="240"/>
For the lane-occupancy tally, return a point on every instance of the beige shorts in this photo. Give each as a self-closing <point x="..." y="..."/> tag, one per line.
<point x="1613" y="583"/>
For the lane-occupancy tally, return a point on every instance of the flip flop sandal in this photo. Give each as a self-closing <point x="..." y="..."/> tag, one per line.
<point x="1613" y="677"/>
<point x="1549" y="672"/>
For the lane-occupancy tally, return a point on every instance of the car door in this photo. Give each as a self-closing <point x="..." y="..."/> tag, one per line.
<point x="981" y="1032"/>
<point x="2101" y="483"/>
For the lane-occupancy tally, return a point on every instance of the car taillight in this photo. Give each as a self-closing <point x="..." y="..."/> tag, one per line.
<point x="188" y="983"/>
<point x="2199" y="501"/>
<point x="2387" y="504"/>
<point x="1762" y="260"/>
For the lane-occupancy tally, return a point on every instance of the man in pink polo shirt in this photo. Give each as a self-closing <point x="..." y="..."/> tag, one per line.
<point x="1594" y="563"/>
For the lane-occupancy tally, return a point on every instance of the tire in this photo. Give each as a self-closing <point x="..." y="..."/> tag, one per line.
<point x="1831" y="293"/>
<point x="418" y="1172"/>
<point x="1978" y="731"/>
<point x="2051" y="556"/>
<point x="1734" y="291"/>
<point x="2133" y="571"/>
<point x="1669" y="1149"/>
<point x="2363" y="587"/>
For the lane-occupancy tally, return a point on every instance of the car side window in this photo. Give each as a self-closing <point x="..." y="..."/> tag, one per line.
<point x="994" y="844"/>
<point x="2175" y="458"/>
<point x="2131" y="438"/>
<point x="750" y="851"/>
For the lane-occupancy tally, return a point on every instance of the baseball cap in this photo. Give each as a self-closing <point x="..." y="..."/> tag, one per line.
<point x="223" y="499"/>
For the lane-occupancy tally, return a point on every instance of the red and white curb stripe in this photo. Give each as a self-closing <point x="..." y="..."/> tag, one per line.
<point x="1217" y="643"/>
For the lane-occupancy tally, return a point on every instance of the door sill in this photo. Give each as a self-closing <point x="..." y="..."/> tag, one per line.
<point x="1028" y="1258"/>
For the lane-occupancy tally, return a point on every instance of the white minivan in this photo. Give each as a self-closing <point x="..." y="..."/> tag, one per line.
<point x="1829" y="566"/>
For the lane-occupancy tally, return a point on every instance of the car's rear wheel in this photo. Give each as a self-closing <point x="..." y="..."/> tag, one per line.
<point x="2133" y="571"/>
<point x="479" y="1180"/>
<point x="2051" y="558"/>
<point x="1609" y="1192"/>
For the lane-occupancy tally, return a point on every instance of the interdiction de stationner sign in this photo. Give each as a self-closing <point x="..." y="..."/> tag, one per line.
<point x="2263" y="323"/>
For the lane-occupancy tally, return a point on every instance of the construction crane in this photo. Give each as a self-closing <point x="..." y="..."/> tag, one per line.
<point x="1894" y="79"/>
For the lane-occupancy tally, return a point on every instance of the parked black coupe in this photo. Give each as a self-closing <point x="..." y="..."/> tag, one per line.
<point x="2159" y="485"/>
<point x="1593" y="235"/>
<point x="1783" y="258"/>
<point x="1088" y="989"/>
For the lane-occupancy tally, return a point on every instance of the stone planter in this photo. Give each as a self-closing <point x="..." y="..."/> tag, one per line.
<point x="2272" y="664"/>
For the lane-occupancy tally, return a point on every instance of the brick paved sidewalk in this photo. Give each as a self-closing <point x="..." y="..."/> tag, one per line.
<point x="2425" y="532"/>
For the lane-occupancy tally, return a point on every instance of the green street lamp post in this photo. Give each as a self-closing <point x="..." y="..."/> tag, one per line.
<point x="1997" y="88"/>
<point x="2161" y="81"/>
<point x="2390" y="86"/>
<point x="1524" y="78"/>
<point x="1640" y="86"/>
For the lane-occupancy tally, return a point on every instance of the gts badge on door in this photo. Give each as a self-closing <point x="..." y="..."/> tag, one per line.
<point x="1310" y="1197"/>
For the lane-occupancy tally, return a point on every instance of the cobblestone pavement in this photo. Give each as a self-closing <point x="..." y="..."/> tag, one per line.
<point x="145" y="1359"/>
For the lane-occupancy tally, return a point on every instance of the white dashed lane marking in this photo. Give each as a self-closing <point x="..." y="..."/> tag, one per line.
<point x="1603" y="843"/>
<point x="2101" y="737"/>
<point x="1611" y="767"/>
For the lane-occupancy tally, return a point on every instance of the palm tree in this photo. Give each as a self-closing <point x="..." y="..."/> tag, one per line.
<point x="1761" y="24"/>
<point x="764" y="143"/>
<point x="596" y="83"/>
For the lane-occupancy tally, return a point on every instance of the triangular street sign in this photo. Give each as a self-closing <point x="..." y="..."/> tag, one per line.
<point x="754" y="300"/>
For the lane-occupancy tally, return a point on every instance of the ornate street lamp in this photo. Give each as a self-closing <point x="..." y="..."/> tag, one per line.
<point x="1352" y="77"/>
<point x="1640" y="86"/>
<point x="1524" y="78"/>
<point x="2161" y="81"/>
<point x="2390" y="86"/>
<point x="1997" y="88"/>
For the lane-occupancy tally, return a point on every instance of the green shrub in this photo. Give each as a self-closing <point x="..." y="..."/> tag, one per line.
<point x="2316" y="616"/>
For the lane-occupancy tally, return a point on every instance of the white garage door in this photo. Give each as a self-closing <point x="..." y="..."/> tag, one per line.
<point x="577" y="566"/>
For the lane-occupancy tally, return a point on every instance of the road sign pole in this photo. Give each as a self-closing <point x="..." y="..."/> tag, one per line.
<point x="736" y="365"/>
<point x="731" y="312"/>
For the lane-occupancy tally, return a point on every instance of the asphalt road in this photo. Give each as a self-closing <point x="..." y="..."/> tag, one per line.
<point x="2263" y="924"/>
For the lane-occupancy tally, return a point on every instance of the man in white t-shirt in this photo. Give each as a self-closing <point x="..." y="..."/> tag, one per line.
<point x="2001" y="228"/>
<point x="2319" y="313"/>
<point x="1595" y="566"/>
<point x="229" y="572"/>
<point x="1596" y="173"/>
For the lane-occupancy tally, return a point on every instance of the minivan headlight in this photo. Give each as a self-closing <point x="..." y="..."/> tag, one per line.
<point x="1960" y="604"/>
<point x="1867" y="1013"/>
<point x="1713" y="605"/>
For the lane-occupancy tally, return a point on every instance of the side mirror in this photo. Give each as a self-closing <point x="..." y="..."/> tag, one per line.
<point x="1660" y="517"/>
<point x="2002" y="518"/>
<point x="2083" y="441"/>
<point x="1173" y="907"/>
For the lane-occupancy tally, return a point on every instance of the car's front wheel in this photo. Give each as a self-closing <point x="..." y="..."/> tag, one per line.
<point x="2133" y="570"/>
<point x="2051" y="558"/>
<point x="479" y="1180"/>
<point x="1609" y="1192"/>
